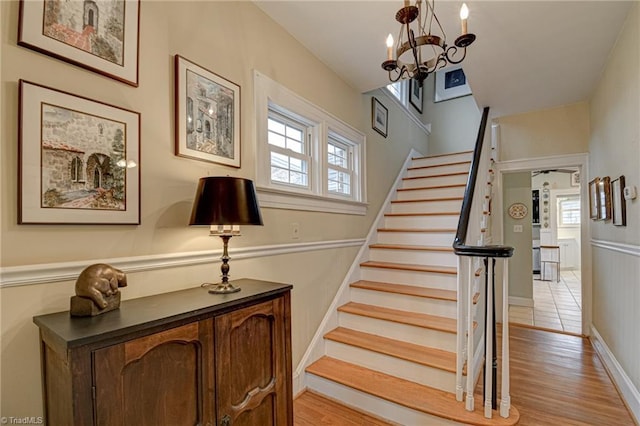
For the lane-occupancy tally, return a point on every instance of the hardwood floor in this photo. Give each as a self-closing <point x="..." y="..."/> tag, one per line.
<point x="556" y="379"/>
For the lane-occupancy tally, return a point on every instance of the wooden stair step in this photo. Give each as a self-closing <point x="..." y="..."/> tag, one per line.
<point x="442" y="155"/>
<point x="428" y="200"/>
<point x="422" y="214"/>
<point x="447" y="325"/>
<point x="458" y="185"/>
<point x="410" y="247"/>
<point x="423" y="355"/>
<point x="409" y="290"/>
<point x="450" y="270"/>
<point x="454" y="163"/>
<point x="418" y="230"/>
<point x="406" y="393"/>
<point x="436" y="176"/>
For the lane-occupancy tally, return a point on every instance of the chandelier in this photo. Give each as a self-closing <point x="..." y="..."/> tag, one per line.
<point x="422" y="45"/>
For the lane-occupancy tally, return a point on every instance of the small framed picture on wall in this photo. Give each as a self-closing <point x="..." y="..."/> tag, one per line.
<point x="415" y="94"/>
<point x="379" y="117"/>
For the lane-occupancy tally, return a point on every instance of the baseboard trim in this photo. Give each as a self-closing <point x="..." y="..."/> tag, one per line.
<point x="521" y="301"/>
<point x="627" y="389"/>
<point x="14" y="276"/>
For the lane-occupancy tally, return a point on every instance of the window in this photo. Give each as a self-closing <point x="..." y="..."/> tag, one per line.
<point x="307" y="159"/>
<point x="76" y="170"/>
<point x="399" y="90"/>
<point x="569" y="210"/>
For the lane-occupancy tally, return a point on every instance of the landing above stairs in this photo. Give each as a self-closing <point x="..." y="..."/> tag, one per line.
<point x="423" y="399"/>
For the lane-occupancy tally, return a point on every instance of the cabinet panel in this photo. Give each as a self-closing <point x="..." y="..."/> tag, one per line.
<point x="160" y="379"/>
<point x="251" y="365"/>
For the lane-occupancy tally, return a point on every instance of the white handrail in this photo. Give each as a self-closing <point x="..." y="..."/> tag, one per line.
<point x="505" y="403"/>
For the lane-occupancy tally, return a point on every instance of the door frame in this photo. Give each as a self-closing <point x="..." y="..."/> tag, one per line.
<point x="581" y="161"/>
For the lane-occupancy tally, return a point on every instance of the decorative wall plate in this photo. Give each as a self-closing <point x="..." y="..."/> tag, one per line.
<point x="518" y="210"/>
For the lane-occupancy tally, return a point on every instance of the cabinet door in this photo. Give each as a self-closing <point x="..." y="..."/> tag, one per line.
<point x="253" y="365"/>
<point x="160" y="379"/>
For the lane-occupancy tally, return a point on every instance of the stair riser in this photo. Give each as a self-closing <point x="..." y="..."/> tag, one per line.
<point x="415" y="257"/>
<point x="393" y="330"/>
<point x="425" y="222"/>
<point x="422" y="374"/>
<point x="427" y="207"/>
<point x="441" y="308"/>
<point x="421" y="194"/>
<point x="431" y="161"/>
<point x="440" y="170"/>
<point x="399" y="276"/>
<point x="434" y="181"/>
<point x="433" y="239"/>
<point x="374" y="405"/>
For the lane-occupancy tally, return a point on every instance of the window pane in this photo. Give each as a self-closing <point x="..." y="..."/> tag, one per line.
<point x="294" y="133"/>
<point x="295" y="146"/>
<point x="288" y="169"/>
<point x="277" y="140"/>
<point x="337" y="154"/>
<point x="339" y="182"/>
<point x="276" y="126"/>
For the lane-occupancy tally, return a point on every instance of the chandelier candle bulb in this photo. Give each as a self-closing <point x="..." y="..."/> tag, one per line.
<point x="390" y="47"/>
<point x="464" y="15"/>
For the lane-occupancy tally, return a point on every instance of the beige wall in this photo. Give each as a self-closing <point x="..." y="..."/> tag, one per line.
<point x="232" y="39"/>
<point x="615" y="150"/>
<point x="517" y="189"/>
<point x="454" y="123"/>
<point x="550" y="132"/>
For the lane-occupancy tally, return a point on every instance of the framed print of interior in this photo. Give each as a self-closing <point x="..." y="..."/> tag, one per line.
<point x="207" y="115"/>
<point x="451" y="83"/>
<point x="79" y="160"/>
<point x="415" y="94"/>
<point x="618" y="203"/>
<point x="101" y="36"/>
<point x="594" y="199"/>
<point x="379" y="117"/>
<point x="604" y="197"/>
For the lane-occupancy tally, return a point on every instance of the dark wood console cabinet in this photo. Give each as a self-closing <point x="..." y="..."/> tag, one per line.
<point x="181" y="358"/>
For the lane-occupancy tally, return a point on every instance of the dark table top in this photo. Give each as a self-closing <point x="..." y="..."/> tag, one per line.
<point x="137" y="315"/>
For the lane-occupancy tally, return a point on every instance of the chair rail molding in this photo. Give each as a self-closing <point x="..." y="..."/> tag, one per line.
<point x="632" y="249"/>
<point x="14" y="276"/>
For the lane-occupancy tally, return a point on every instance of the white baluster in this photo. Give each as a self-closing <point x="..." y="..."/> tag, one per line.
<point x="488" y="330"/>
<point x="460" y="351"/>
<point x="505" y="403"/>
<point x="470" y="346"/>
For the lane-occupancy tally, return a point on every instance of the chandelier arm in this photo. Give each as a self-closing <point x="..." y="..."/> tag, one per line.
<point x="451" y="51"/>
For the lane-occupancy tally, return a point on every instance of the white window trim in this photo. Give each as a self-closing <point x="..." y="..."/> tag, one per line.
<point x="269" y="94"/>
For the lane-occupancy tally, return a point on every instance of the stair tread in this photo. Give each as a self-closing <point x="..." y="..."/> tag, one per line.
<point x="447" y="325"/>
<point x="456" y="185"/>
<point x="411" y="267"/>
<point x="454" y="163"/>
<point x="432" y="230"/>
<point x="422" y="214"/>
<point x="410" y="247"/>
<point x="434" y="176"/>
<point x="423" y="355"/>
<point x="428" y="200"/>
<point x="409" y="290"/>
<point x="406" y="393"/>
<point x="442" y="155"/>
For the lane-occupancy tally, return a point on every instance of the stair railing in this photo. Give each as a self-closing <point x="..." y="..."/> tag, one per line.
<point x="476" y="260"/>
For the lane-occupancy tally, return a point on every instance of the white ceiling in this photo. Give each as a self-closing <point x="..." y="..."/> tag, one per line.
<point x="529" y="55"/>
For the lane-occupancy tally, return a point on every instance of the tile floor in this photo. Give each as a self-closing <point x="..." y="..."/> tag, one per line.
<point x="557" y="305"/>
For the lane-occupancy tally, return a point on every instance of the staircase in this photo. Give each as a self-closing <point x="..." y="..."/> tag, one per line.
<point x="393" y="351"/>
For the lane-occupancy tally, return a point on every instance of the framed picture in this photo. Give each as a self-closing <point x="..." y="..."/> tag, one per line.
<point x="451" y="83"/>
<point x="604" y="197"/>
<point x="619" y="206"/>
<point x="415" y="94"/>
<point x="207" y="109"/>
<point x="379" y="117"/>
<point x="594" y="199"/>
<point x="575" y="179"/>
<point x="101" y="36"/>
<point x="79" y="160"/>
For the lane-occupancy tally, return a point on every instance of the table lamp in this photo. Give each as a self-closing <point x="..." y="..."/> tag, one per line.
<point x="224" y="203"/>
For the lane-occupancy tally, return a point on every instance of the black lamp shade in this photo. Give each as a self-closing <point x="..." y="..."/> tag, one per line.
<point x="225" y="200"/>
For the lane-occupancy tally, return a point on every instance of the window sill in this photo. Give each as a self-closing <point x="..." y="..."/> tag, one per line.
<point x="278" y="199"/>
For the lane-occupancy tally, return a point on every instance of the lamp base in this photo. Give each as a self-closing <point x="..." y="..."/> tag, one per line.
<point x="222" y="288"/>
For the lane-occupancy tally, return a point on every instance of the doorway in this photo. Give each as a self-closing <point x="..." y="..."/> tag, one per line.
<point x="562" y="300"/>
